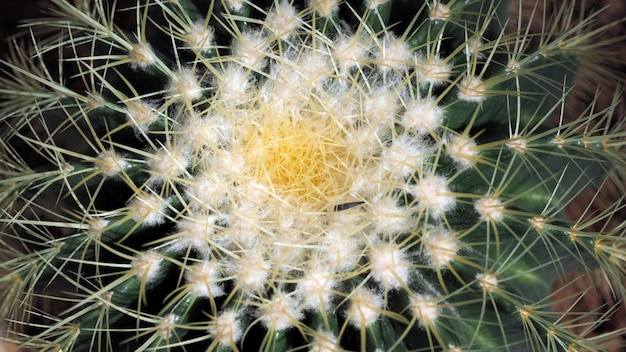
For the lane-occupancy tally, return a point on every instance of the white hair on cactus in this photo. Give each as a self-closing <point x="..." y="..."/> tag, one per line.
<point x="203" y="279"/>
<point x="424" y="308"/>
<point x="462" y="150"/>
<point x="423" y="116"/>
<point x="110" y="163"/>
<point x="226" y="329"/>
<point x="490" y="209"/>
<point x="472" y="89"/>
<point x="199" y="37"/>
<point x="146" y="266"/>
<point x="439" y="246"/>
<point x="280" y="312"/>
<point x="324" y="341"/>
<point x="389" y="265"/>
<point x="315" y="288"/>
<point x="148" y="208"/>
<point x="184" y="84"/>
<point x="387" y="216"/>
<point x="282" y="20"/>
<point x="365" y="308"/>
<point x="433" y="195"/>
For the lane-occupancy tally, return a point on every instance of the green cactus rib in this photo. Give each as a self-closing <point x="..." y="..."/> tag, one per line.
<point x="298" y="175"/>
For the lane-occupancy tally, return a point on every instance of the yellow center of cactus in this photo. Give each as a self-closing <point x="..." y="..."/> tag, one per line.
<point x="300" y="158"/>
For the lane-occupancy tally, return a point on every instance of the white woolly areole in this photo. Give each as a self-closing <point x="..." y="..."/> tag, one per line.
<point x="423" y="116"/>
<point x="166" y="326"/>
<point x="199" y="37"/>
<point x="324" y="341"/>
<point x="280" y="313"/>
<point x="249" y="48"/>
<point x="439" y="247"/>
<point x="146" y="266"/>
<point x="393" y="53"/>
<point x="96" y="227"/>
<point x="141" y="114"/>
<point x="340" y="251"/>
<point x="380" y="106"/>
<point x="110" y="163"/>
<point x="389" y="265"/>
<point x="141" y="55"/>
<point x="488" y="282"/>
<point x="433" y="70"/>
<point x="226" y="329"/>
<point x="252" y="270"/>
<point x="315" y="289"/>
<point x="208" y="190"/>
<point x="185" y="85"/>
<point x="349" y="52"/>
<point x="404" y="156"/>
<point x="462" y="150"/>
<point x="196" y="230"/>
<point x="388" y="217"/>
<point x="517" y="144"/>
<point x="365" y="307"/>
<point x="234" y="85"/>
<point x="490" y="209"/>
<point x="203" y="279"/>
<point x="282" y="19"/>
<point x="439" y="11"/>
<point x="324" y="8"/>
<point x="168" y="164"/>
<point x="424" y="308"/>
<point x="433" y="195"/>
<point x="148" y="209"/>
<point x="471" y="89"/>
<point x="373" y="4"/>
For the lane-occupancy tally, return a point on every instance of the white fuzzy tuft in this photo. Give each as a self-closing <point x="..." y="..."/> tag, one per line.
<point x="349" y="52"/>
<point x="394" y="53"/>
<point x="423" y="116"/>
<point x="199" y="37"/>
<point x="168" y="164"/>
<point x="148" y="209"/>
<point x="166" y="326"/>
<point x="141" y="56"/>
<point x="252" y="271"/>
<point x="324" y="8"/>
<point x="315" y="289"/>
<point x="141" y="114"/>
<point x="471" y="88"/>
<point x="146" y="266"/>
<point x="517" y="144"/>
<point x="440" y="247"/>
<point x="280" y="313"/>
<point x="110" y="163"/>
<point x="433" y="70"/>
<point x="462" y="150"/>
<point x="365" y="308"/>
<point x="424" y="309"/>
<point x="226" y="329"/>
<point x="203" y="279"/>
<point x="249" y="49"/>
<point x="185" y="85"/>
<point x="439" y="11"/>
<point x="324" y="341"/>
<point x="490" y="209"/>
<point x="404" y="156"/>
<point x="388" y="217"/>
<point x="488" y="282"/>
<point x="389" y="265"/>
<point x="433" y="195"/>
<point x="282" y="20"/>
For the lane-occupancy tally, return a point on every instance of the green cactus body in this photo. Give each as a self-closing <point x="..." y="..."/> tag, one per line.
<point x="283" y="176"/>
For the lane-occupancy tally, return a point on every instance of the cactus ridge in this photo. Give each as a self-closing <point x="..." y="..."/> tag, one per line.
<point x="282" y="175"/>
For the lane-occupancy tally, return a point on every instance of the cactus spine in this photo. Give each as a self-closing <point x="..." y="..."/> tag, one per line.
<point x="276" y="175"/>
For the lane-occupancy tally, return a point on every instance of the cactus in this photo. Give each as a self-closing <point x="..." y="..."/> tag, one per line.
<point x="278" y="175"/>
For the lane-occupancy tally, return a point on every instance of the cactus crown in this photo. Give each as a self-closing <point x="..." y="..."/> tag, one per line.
<point x="277" y="175"/>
